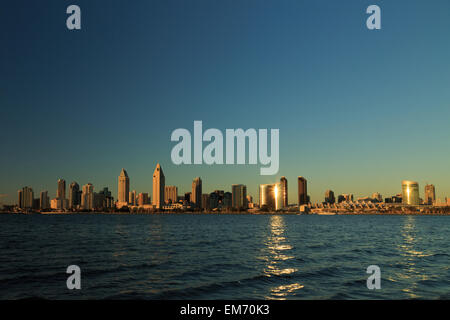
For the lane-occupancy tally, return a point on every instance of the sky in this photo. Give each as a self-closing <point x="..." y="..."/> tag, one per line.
<point x="358" y="110"/>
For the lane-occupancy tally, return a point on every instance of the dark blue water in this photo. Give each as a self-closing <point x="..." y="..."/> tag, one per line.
<point x="224" y="256"/>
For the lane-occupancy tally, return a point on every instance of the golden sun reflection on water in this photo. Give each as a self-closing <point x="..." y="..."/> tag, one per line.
<point x="411" y="254"/>
<point x="276" y="253"/>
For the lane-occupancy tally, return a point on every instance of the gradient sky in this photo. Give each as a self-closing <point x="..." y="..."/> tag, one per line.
<point x="358" y="110"/>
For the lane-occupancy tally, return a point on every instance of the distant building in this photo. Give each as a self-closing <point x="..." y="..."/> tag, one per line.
<point x="227" y="200"/>
<point x="61" y="191"/>
<point x="26" y="197"/>
<point x="132" y="198"/>
<point x="159" y="182"/>
<point x="302" y="191"/>
<point x="187" y="197"/>
<point x="410" y="192"/>
<point x="87" y="197"/>
<point x="74" y="195"/>
<point x="329" y="197"/>
<point x="44" y="200"/>
<point x="59" y="203"/>
<point x="213" y="200"/>
<point x="270" y="196"/>
<point x="143" y="199"/>
<point x="170" y="194"/>
<point x="430" y="194"/>
<point x="284" y="191"/>
<point x="196" y="198"/>
<point x="123" y="188"/>
<point x="104" y="199"/>
<point x="205" y="201"/>
<point x="377" y="197"/>
<point x="239" y="196"/>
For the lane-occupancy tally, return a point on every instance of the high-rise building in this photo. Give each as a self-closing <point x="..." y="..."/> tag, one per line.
<point x="270" y="196"/>
<point x="196" y="198"/>
<point x="329" y="197"/>
<point x="239" y="196"/>
<point x="302" y="191"/>
<point x="410" y="193"/>
<point x="170" y="194"/>
<point x="132" y="198"/>
<point x="205" y="201"/>
<point x="187" y="197"/>
<point x="159" y="182"/>
<point x="103" y="199"/>
<point x="227" y="200"/>
<point x="213" y="200"/>
<point x="44" y="200"/>
<point x="123" y="188"/>
<point x="430" y="194"/>
<point x="284" y="191"/>
<point x="87" y="197"/>
<point x="26" y="197"/>
<point x="142" y="199"/>
<point x="74" y="195"/>
<point x="61" y="191"/>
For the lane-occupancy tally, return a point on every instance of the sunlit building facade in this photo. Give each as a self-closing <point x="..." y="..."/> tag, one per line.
<point x="270" y="196"/>
<point x="410" y="193"/>
<point x="123" y="188"/>
<point x="159" y="182"/>
<point x="170" y="194"/>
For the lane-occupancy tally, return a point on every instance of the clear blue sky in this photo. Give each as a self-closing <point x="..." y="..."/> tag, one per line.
<point x="358" y="110"/>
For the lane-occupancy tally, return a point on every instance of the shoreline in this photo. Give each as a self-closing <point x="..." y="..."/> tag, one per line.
<point x="233" y="213"/>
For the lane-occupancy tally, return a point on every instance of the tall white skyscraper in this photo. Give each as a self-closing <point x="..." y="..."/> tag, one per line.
<point x="159" y="182"/>
<point x="123" y="188"/>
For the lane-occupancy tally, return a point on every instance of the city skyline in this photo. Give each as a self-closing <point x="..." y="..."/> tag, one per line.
<point x="358" y="110"/>
<point x="428" y="196"/>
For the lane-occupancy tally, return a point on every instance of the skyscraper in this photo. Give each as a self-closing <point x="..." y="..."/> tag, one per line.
<point x="284" y="191"/>
<point x="132" y="198"/>
<point x="270" y="196"/>
<point x="302" y="191"/>
<point x="74" y="195"/>
<point x="44" y="200"/>
<point x="61" y="191"/>
<point x="26" y="197"/>
<point x="87" y="197"/>
<point x="410" y="193"/>
<point x="205" y="201"/>
<point x="239" y="196"/>
<point x="430" y="194"/>
<point x="123" y="188"/>
<point x="329" y="197"/>
<point x="196" y="198"/>
<point x="142" y="199"/>
<point x="170" y="194"/>
<point x="159" y="182"/>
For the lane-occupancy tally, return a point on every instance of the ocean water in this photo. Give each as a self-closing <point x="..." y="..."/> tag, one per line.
<point x="187" y="256"/>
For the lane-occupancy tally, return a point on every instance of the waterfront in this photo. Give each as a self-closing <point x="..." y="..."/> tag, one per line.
<point x="184" y="256"/>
